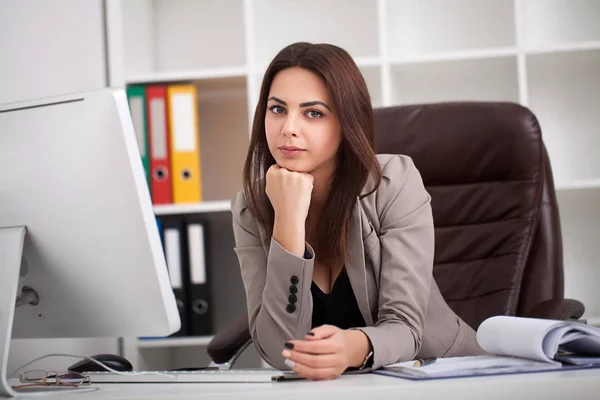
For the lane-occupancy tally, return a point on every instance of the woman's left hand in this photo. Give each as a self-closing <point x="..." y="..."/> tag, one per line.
<point x="327" y="353"/>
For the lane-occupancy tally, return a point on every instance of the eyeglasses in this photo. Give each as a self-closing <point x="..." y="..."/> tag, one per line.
<point x="51" y="378"/>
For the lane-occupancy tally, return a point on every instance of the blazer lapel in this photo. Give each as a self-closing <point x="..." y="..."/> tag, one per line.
<point x="355" y="264"/>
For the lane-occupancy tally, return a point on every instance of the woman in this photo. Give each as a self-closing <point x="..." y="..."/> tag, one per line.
<point x="335" y="244"/>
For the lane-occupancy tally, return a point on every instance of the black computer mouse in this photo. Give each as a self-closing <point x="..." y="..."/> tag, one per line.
<point x="111" y="360"/>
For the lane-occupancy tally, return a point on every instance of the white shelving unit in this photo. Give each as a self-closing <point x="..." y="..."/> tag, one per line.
<point x="544" y="54"/>
<point x="204" y="207"/>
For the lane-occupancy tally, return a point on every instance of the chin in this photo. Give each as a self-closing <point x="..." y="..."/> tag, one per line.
<point x="293" y="165"/>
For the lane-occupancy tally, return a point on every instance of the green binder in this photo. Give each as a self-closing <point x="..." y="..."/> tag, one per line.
<point x="136" y="95"/>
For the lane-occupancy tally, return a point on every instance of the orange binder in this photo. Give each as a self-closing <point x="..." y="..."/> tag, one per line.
<point x="158" y="138"/>
<point x="184" y="143"/>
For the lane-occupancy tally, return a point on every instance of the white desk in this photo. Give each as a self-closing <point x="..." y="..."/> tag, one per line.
<point x="581" y="384"/>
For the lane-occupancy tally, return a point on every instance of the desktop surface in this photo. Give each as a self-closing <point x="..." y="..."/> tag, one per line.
<point x="580" y="384"/>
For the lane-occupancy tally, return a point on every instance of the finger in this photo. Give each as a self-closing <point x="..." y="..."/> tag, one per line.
<point x="311" y="336"/>
<point x="324" y="331"/>
<point x="323" y="346"/>
<point x="315" y="374"/>
<point x="313" y="360"/>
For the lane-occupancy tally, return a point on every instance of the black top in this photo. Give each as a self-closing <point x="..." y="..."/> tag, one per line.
<point x="339" y="307"/>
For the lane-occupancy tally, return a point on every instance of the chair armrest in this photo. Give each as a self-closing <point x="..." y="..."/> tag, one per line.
<point x="228" y="341"/>
<point x="561" y="309"/>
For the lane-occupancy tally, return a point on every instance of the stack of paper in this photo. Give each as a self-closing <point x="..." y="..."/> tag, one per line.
<point x="466" y="366"/>
<point x="516" y="345"/>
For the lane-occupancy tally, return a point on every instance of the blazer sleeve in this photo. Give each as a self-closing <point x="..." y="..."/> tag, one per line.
<point x="407" y="250"/>
<point x="277" y="285"/>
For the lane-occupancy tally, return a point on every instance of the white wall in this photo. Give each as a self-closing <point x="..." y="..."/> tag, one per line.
<point x="51" y="47"/>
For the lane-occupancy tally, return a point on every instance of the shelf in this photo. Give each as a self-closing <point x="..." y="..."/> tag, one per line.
<point x="190" y="75"/>
<point x="565" y="48"/>
<point x="350" y="24"/>
<point x="361" y="62"/>
<point x="564" y="93"/>
<point x="224" y="135"/>
<point x="368" y="62"/>
<point x="174" y="342"/>
<point x="372" y="76"/>
<point x="172" y="35"/>
<point x="551" y="23"/>
<point x="578" y="185"/>
<point x="416" y="28"/>
<point x="204" y="207"/>
<point x="456" y="81"/>
<point x="456" y="56"/>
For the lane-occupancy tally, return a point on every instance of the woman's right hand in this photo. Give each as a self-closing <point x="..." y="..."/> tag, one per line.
<point x="290" y="193"/>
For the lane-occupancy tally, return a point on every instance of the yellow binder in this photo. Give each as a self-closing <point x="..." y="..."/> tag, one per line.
<point x="184" y="143"/>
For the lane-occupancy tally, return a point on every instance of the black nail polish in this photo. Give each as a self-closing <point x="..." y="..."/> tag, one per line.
<point x="310" y="334"/>
<point x="289" y="346"/>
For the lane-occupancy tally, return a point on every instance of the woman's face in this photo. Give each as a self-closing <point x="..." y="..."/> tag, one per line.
<point x="302" y="125"/>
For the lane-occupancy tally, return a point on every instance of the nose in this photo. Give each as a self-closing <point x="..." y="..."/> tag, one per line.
<point x="290" y="126"/>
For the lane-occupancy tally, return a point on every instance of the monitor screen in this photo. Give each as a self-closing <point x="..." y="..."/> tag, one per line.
<point x="73" y="176"/>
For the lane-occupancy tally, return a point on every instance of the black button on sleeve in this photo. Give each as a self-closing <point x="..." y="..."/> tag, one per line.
<point x="290" y="308"/>
<point x="294" y="280"/>
<point x="292" y="299"/>
<point x="293" y="289"/>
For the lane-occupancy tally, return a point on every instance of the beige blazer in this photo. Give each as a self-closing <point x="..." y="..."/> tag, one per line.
<point x="391" y="245"/>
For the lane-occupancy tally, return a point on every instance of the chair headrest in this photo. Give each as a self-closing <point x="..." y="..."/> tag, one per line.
<point x="463" y="142"/>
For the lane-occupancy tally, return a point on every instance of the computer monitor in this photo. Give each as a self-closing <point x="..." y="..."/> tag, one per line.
<point x="71" y="173"/>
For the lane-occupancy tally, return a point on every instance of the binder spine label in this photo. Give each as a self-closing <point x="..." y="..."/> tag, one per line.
<point x="173" y="255"/>
<point x="184" y="117"/>
<point x="159" y="144"/>
<point x="197" y="256"/>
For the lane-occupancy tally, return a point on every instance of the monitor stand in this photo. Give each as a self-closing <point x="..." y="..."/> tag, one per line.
<point x="11" y="252"/>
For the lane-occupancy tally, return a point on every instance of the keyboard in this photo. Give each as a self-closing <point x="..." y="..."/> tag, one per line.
<point x="207" y="376"/>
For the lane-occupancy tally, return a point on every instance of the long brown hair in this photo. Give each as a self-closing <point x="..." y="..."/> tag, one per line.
<point x="356" y="155"/>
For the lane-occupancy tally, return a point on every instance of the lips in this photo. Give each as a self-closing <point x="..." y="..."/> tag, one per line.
<point x="291" y="148"/>
<point x="291" y="151"/>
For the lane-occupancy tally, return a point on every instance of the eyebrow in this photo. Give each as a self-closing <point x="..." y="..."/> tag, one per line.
<point x="307" y="104"/>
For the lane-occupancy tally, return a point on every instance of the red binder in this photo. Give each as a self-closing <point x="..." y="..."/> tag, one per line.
<point x="158" y="137"/>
